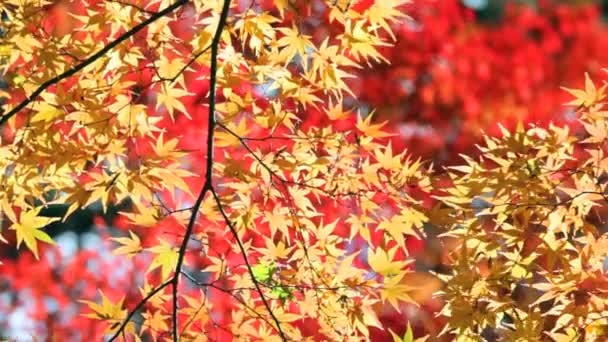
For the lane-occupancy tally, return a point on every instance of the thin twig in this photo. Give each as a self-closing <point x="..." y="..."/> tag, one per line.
<point x="139" y="305"/>
<point x="256" y="283"/>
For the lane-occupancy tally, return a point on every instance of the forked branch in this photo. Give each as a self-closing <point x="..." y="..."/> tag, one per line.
<point x="207" y="188"/>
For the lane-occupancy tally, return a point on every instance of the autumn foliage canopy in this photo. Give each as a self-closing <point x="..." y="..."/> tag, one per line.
<point x="217" y="170"/>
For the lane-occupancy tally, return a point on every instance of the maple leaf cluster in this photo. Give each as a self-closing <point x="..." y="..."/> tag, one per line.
<point x="237" y="191"/>
<point x="198" y="136"/>
<point x="528" y="219"/>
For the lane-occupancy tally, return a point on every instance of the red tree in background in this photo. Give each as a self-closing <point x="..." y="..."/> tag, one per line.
<point x="452" y="76"/>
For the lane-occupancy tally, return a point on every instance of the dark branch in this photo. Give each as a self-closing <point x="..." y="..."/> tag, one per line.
<point x="208" y="186"/>
<point x="256" y="283"/>
<point x="93" y="58"/>
<point x="284" y="180"/>
<point x="186" y="66"/>
<point x="231" y="293"/>
<point x="139" y="305"/>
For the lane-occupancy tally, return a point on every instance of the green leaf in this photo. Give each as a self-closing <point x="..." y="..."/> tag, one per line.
<point x="282" y="292"/>
<point x="263" y="273"/>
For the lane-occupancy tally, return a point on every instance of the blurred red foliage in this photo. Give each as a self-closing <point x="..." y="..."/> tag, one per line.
<point x="452" y="76"/>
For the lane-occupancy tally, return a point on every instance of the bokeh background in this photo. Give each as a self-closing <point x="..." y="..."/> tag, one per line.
<point x="459" y="68"/>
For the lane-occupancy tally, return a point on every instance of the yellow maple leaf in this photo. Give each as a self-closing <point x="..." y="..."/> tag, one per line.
<point x="336" y="112"/>
<point x="302" y="202"/>
<point x="387" y="160"/>
<point x="156" y="300"/>
<point x="275" y="250"/>
<point x="145" y="216"/>
<point x="225" y="139"/>
<point x="372" y="130"/>
<point x="156" y="321"/>
<point x="166" y="149"/>
<point x="362" y="41"/>
<point x="193" y="310"/>
<point x="381" y="262"/>
<point x="170" y="98"/>
<point x="277" y="220"/>
<point x="403" y="224"/>
<point x="107" y="311"/>
<point x="588" y="97"/>
<point x="46" y="112"/>
<point x="130" y="245"/>
<point x="382" y="12"/>
<point x="168" y="69"/>
<point x="28" y="229"/>
<point x="166" y="258"/>
<point x="395" y="291"/>
<point x="294" y="43"/>
<point x="363" y="317"/>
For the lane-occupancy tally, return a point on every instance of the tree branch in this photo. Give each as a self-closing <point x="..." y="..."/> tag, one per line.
<point x="139" y="305"/>
<point x="90" y="60"/>
<point x="256" y="283"/>
<point x="208" y="186"/>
